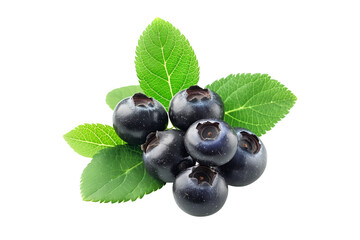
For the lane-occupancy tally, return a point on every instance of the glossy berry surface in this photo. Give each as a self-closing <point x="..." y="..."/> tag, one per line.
<point x="249" y="161"/>
<point x="164" y="154"/>
<point x="193" y="104"/>
<point x="200" y="191"/>
<point x="137" y="116"/>
<point x="211" y="142"/>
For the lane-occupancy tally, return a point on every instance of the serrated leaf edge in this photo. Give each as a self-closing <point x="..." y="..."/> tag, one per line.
<point x="86" y="125"/>
<point x="227" y="113"/>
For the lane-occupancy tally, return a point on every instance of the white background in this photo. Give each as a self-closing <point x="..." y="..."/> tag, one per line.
<point x="59" y="59"/>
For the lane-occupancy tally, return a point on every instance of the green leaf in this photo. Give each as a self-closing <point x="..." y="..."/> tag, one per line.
<point x="117" y="175"/>
<point x="253" y="101"/>
<point x="88" y="139"/>
<point x="118" y="94"/>
<point x="165" y="62"/>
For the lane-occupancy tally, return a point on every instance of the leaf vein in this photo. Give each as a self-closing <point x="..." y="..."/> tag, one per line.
<point x="115" y="178"/>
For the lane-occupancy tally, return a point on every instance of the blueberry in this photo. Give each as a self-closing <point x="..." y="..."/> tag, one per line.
<point x="249" y="161"/>
<point x="200" y="191"/>
<point x="193" y="104"/>
<point x="211" y="142"/>
<point x="137" y="116"/>
<point x="164" y="154"/>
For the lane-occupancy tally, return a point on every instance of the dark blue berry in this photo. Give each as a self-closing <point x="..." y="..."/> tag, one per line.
<point x="200" y="191"/>
<point x="211" y="142"/>
<point x="137" y="116"/>
<point x="249" y="161"/>
<point x="193" y="104"/>
<point x="164" y="154"/>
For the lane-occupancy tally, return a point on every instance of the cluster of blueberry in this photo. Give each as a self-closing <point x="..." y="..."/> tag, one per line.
<point x="201" y="157"/>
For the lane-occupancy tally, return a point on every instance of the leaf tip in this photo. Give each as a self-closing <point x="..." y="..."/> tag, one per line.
<point x="157" y="19"/>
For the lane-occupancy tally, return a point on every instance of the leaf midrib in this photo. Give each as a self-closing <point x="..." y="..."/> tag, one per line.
<point x="166" y="71"/>
<point x="252" y="106"/>
<point x="88" y="142"/>
<point x="164" y="60"/>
